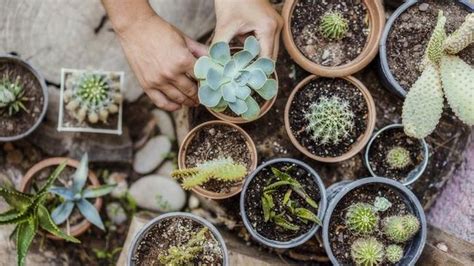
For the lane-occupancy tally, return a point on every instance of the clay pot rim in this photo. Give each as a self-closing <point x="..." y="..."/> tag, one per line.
<point x="362" y="139"/>
<point x="376" y="14"/>
<point x="237" y="188"/>
<point x="81" y="227"/>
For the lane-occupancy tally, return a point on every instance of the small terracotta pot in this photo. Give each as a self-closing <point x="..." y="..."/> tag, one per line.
<point x="376" y="24"/>
<point x="238" y="186"/>
<point x="77" y="229"/>
<point x="361" y="141"/>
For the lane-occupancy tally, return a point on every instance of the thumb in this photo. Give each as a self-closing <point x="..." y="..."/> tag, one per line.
<point x="196" y="48"/>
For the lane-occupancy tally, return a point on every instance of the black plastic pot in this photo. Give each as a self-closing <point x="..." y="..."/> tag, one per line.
<point x="386" y="76"/>
<point x="337" y="191"/>
<point x="299" y="240"/>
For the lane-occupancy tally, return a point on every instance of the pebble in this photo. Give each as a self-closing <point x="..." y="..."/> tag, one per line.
<point x="120" y="179"/>
<point x="423" y="7"/>
<point x="152" y="154"/>
<point x="166" y="169"/>
<point x="442" y="246"/>
<point x="164" y="123"/>
<point x="325" y="55"/>
<point x="193" y="202"/>
<point x="116" y="213"/>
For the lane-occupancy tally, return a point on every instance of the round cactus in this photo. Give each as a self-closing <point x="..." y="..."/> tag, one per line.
<point x="329" y="120"/>
<point x="362" y="218"/>
<point x="394" y="253"/>
<point x="401" y="228"/>
<point x="398" y="157"/>
<point x="367" y="251"/>
<point x="333" y="25"/>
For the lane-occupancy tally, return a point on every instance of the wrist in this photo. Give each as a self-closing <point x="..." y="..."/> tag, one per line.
<point x="123" y="14"/>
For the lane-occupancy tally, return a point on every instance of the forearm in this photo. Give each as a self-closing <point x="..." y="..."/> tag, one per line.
<point x="124" y="13"/>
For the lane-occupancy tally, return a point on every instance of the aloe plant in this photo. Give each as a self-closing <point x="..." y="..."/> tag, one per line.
<point x="12" y="96"/>
<point x="77" y="195"/>
<point x="29" y="214"/>
<point x="228" y="80"/>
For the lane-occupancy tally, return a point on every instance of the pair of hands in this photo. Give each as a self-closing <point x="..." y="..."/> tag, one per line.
<point x="163" y="58"/>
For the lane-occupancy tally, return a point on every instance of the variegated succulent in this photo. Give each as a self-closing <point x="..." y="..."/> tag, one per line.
<point x="228" y="80"/>
<point x="12" y="96"/>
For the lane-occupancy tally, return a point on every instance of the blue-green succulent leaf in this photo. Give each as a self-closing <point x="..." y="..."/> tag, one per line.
<point x="64" y="192"/>
<point x="202" y="66"/>
<point x="243" y="92"/>
<point x="220" y="52"/>
<point x="95" y="192"/>
<point x="52" y="178"/>
<point x="265" y="64"/>
<point x="238" y="107"/>
<point x="229" y="91"/>
<point x="242" y="78"/>
<point x="230" y="69"/>
<point x="268" y="90"/>
<point x="90" y="213"/>
<point x="251" y="45"/>
<point x="242" y="59"/>
<point x="220" y="107"/>
<point x="209" y="97"/>
<point x="80" y="176"/>
<point x="214" y="78"/>
<point x="62" y="212"/>
<point x="253" y="109"/>
<point x="257" y="79"/>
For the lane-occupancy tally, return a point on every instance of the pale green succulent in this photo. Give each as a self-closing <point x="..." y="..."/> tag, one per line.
<point x="12" y="96"/>
<point x="394" y="253"/>
<point x="398" y="157"/>
<point x="401" y="228"/>
<point x="367" y="251"/>
<point x="229" y="80"/>
<point x="381" y="204"/>
<point x="333" y="25"/>
<point x="423" y="105"/>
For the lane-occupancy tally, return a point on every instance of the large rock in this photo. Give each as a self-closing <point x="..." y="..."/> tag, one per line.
<point x="166" y="169"/>
<point x="152" y="154"/>
<point x="165" y="123"/>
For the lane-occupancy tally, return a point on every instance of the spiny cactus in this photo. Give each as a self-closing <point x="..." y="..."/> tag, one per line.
<point x="12" y="96"/>
<point x="220" y="169"/>
<point x="398" y="157"/>
<point x="92" y="96"/>
<point x="401" y="228"/>
<point x="228" y="80"/>
<point x="394" y="253"/>
<point x="333" y="25"/>
<point x="329" y="120"/>
<point x="362" y="218"/>
<point x="381" y="204"/>
<point x="462" y="37"/>
<point x="183" y="255"/>
<point x="367" y="251"/>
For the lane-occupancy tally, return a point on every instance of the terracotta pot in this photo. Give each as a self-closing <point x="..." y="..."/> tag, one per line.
<point x="362" y="139"/>
<point x="238" y="186"/>
<point x="77" y="229"/>
<point x="376" y="24"/>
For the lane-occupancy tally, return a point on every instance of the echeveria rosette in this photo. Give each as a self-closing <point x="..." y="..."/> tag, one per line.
<point x="228" y="80"/>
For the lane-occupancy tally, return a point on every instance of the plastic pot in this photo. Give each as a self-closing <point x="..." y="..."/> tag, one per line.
<point x="141" y="234"/>
<point x="337" y="191"/>
<point x="5" y="58"/>
<point x="417" y="170"/>
<point x="385" y="74"/>
<point x="299" y="240"/>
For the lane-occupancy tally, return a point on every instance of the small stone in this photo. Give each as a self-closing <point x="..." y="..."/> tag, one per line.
<point x="164" y="123"/>
<point x="212" y="131"/>
<point x="193" y="202"/>
<point x="166" y="169"/>
<point x="116" y="213"/>
<point x="119" y="179"/>
<point x="152" y="154"/>
<point x="423" y="7"/>
<point x="325" y="55"/>
<point x="442" y="246"/>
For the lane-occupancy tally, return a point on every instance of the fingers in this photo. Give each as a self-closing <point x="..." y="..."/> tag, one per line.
<point x="188" y="87"/>
<point x="161" y="101"/>
<point x="224" y="34"/>
<point x="269" y="37"/>
<point x="197" y="49"/>
<point x="176" y="95"/>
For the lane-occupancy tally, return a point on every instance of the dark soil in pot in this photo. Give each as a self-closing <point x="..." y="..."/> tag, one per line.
<point x="312" y="92"/>
<point x="253" y="201"/>
<point x="410" y="33"/>
<point x="214" y="142"/>
<point x="21" y="121"/>
<point x="176" y="232"/>
<point x="305" y="22"/>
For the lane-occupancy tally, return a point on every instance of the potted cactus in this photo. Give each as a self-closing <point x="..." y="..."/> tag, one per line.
<point x="329" y="120"/>
<point x="23" y="98"/>
<point x="235" y="84"/>
<point x="282" y="203"/>
<point x="332" y="38"/>
<point x="214" y="158"/>
<point x="178" y="239"/>
<point x="373" y="221"/>
<point x="91" y="101"/>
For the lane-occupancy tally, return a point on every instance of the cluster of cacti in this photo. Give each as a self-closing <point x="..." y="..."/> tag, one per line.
<point x="398" y="157"/>
<point x="333" y="25"/>
<point x="442" y="70"/>
<point x="219" y="169"/>
<point x="367" y="251"/>
<point x="401" y="228"/>
<point x="92" y="96"/>
<point x="362" y="218"/>
<point x="12" y="96"/>
<point x="227" y="80"/>
<point x="394" y="253"/>
<point x="330" y="120"/>
<point x="183" y="255"/>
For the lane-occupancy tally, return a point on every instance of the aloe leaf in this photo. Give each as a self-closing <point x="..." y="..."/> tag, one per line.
<point x="52" y="178"/>
<point x="306" y="214"/>
<point x="62" y="212"/>
<point x="90" y="213"/>
<point x="25" y="234"/>
<point x="220" y="52"/>
<point x="16" y="199"/>
<point x="267" y="205"/>
<point x="95" y="192"/>
<point x="287" y="196"/>
<point x="238" y="107"/>
<point x="14" y="217"/>
<point x="243" y="58"/>
<point x="251" y="45"/>
<point x="64" y="192"/>
<point x="257" y="79"/>
<point x="80" y="176"/>
<point x="253" y="109"/>
<point x="268" y="90"/>
<point x="265" y="64"/>
<point x="282" y="222"/>
<point x="278" y="184"/>
<point x="47" y="223"/>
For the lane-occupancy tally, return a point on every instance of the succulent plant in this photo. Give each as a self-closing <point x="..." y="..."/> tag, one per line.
<point x="29" y="214"/>
<point x="12" y="96"/>
<point x="93" y="96"/>
<point x="381" y="204"/>
<point x="333" y="25"/>
<point x="229" y="80"/>
<point x="362" y="218"/>
<point x="76" y="195"/>
<point x="220" y="169"/>
<point x="367" y="251"/>
<point x="401" y="228"/>
<point x="398" y="157"/>
<point x="183" y="255"/>
<point x="423" y="105"/>
<point x="330" y="120"/>
<point x="394" y="253"/>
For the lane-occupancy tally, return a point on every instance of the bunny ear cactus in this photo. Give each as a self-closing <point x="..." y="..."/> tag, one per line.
<point x="462" y="37"/>
<point x="229" y="80"/>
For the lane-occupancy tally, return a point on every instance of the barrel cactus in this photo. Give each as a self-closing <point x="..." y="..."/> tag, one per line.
<point x="367" y="251"/>
<point x="398" y="157"/>
<point x="401" y="228"/>
<point x="12" y="96"/>
<point x="394" y="253"/>
<point x="227" y="80"/>
<point x="333" y="25"/>
<point x="362" y="218"/>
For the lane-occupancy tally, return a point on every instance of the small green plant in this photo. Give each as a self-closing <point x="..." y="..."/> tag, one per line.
<point x="29" y="214"/>
<point x="381" y="204"/>
<point x="92" y="96"/>
<point x="330" y="120"/>
<point x="442" y="71"/>
<point x="76" y="195"/>
<point x="367" y="251"/>
<point x="12" y="96"/>
<point x="183" y="255"/>
<point x="362" y="218"/>
<point x="220" y="169"/>
<point x="334" y="25"/>
<point x="398" y="157"/>
<point x="394" y="253"/>
<point x="228" y="80"/>
<point x="401" y="228"/>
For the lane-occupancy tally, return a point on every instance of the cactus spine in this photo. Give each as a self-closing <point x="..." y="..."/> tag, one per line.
<point x="401" y="228"/>
<point x="394" y="253"/>
<point x="334" y="25"/>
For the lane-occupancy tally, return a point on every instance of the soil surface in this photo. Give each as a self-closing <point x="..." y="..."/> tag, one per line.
<point x="384" y="143"/>
<point x="341" y="238"/>
<point x="253" y="201"/>
<point x="305" y="22"/>
<point x="410" y="33"/>
<point x="21" y="121"/>
<point x="218" y="142"/>
<point x="176" y="232"/>
<point x="312" y="92"/>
